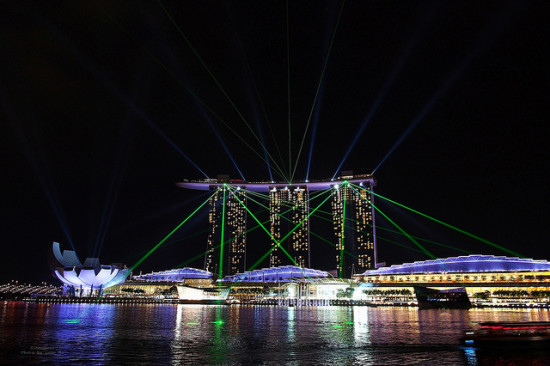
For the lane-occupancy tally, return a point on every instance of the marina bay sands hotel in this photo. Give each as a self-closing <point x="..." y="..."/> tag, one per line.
<point x="352" y="224"/>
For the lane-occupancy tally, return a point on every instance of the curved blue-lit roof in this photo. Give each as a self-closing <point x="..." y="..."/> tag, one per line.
<point x="278" y="274"/>
<point x="179" y="274"/>
<point x="69" y="270"/>
<point x="471" y="263"/>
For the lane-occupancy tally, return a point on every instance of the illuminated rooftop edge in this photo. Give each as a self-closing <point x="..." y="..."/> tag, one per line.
<point x="471" y="263"/>
<point x="92" y="274"/>
<point x="208" y="184"/>
<point x="178" y="274"/>
<point x="278" y="274"/>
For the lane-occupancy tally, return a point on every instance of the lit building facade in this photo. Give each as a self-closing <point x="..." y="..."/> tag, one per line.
<point x="488" y="280"/>
<point x="353" y="218"/>
<point x="84" y="279"/>
<point x="288" y="211"/>
<point x="226" y="241"/>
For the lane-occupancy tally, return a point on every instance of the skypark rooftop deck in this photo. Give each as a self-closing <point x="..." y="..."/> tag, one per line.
<point x="208" y="184"/>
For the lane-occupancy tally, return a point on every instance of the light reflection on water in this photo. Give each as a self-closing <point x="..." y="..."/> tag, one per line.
<point x="242" y="335"/>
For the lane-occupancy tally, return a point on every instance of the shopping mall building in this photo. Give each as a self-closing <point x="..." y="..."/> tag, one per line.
<point x="488" y="280"/>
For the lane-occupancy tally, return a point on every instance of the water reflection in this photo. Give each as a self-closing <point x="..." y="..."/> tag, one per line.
<point x="505" y="356"/>
<point x="241" y="335"/>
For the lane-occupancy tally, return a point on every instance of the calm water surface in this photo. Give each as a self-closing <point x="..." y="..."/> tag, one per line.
<point x="249" y="335"/>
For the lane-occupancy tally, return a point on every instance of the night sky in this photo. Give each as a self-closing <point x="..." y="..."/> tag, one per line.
<point x="106" y="105"/>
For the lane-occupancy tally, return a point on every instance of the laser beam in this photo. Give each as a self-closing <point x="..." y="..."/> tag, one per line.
<point x="291" y="231"/>
<point x="494" y="245"/>
<point x="169" y="235"/>
<point x="424" y="250"/>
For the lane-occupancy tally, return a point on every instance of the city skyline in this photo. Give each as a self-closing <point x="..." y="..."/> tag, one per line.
<point x="106" y="107"/>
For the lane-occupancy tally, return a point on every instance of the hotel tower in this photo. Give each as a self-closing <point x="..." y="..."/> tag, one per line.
<point x="289" y="218"/>
<point x="288" y="214"/>
<point x="227" y="223"/>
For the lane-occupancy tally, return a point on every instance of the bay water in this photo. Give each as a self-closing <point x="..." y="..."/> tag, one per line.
<point x="169" y="334"/>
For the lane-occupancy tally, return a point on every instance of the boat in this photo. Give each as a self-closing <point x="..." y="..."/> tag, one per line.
<point x="431" y="298"/>
<point x="506" y="334"/>
<point x="203" y="295"/>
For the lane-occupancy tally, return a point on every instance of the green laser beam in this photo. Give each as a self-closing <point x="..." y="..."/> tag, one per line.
<point x="307" y="217"/>
<point x="288" y="204"/>
<point x="424" y="250"/>
<point x="167" y="236"/>
<point x="398" y="232"/>
<point x="448" y="225"/>
<point x="282" y="215"/>
<point x="218" y="246"/>
<point x="289" y="220"/>
<point x="139" y="254"/>
<point x="222" y="234"/>
<point x="263" y="227"/>
<point x="395" y="232"/>
<point x="228" y="240"/>
<point x="341" y="274"/>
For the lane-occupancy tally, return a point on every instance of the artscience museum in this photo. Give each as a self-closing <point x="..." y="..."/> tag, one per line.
<point x="84" y="279"/>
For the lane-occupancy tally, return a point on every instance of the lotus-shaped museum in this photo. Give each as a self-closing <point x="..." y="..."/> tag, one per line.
<point x="85" y="278"/>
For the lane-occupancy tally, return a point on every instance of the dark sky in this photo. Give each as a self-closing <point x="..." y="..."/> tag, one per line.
<point x="106" y="105"/>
